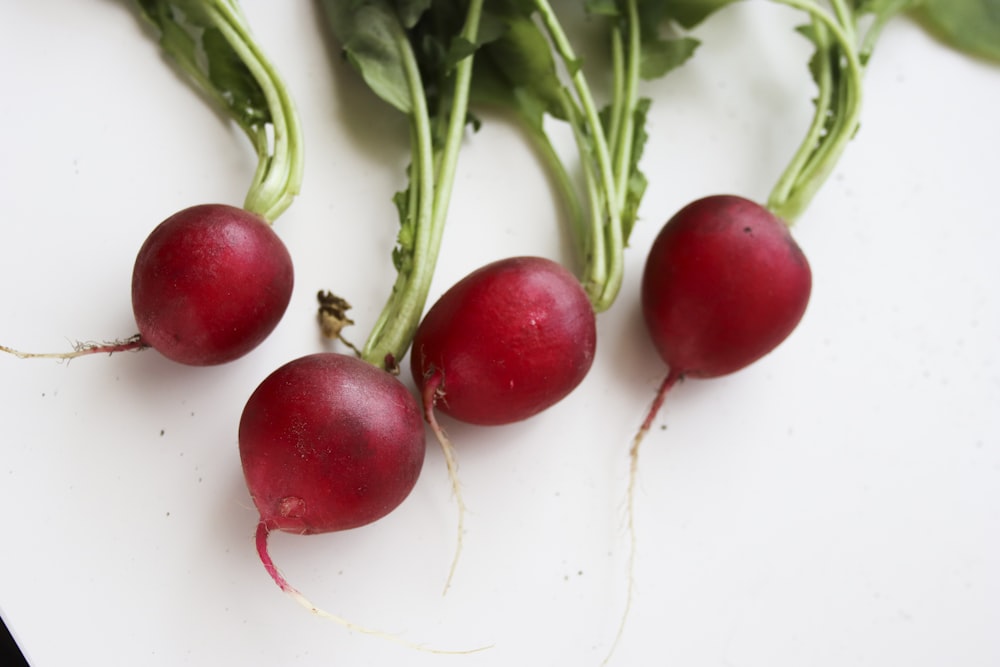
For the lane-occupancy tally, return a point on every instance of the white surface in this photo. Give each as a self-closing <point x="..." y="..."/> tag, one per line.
<point x="838" y="503"/>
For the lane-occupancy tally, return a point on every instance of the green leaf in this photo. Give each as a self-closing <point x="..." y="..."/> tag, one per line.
<point x="637" y="181"/>
<point x="881" y="7"/>
<point x="602" y="7"/>
<point x="517" y="67"/>
<point x="230" y="75"/>
<point x="188" y="32"/>
<point x="659" y="53"/>
<point x="212" y="44"/>
<point x="972" y="26"/>
<point x="662" y="55"/>
<point x="370" y="33"/>
<point x="410" y="11"/>
<point x="689" y="13"/>
<point x="402" y="253"/>
<point x="458" y="49"/>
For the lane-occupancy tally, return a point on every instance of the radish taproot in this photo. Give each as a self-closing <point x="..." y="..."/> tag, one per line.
<point x="212" y="281"/>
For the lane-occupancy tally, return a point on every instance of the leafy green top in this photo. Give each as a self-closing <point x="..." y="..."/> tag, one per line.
<point x="417" y="56"/>
<point x="973" y="27"/>
<point x="843" y="50"/>
<point x="212" y="44"/>
<point x="520" y="70"/>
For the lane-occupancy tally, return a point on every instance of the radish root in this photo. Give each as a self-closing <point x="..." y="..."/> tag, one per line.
<point x="431" y="392"/>
<point x="133" y="343"/>
<point x="633" y="473"/>
<point x="279" y="579"/>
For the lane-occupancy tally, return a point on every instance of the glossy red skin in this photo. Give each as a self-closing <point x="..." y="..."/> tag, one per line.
<point x="329" y="442"/>
<point x="210" y="283"/>
<point x="509" y="340"/>
<point x="724" y="284"/>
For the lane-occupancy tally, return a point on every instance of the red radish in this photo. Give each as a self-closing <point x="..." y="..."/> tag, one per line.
<point x="210" y="283"/>
<point x="507" y="341"/>
<point x="328" y="442"/>
<point x="724" y="284"/>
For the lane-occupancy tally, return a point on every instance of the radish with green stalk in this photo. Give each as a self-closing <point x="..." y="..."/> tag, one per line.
<point x="515" y="337"/>
<point x="333" y="441"/>
<point x="212" y="281"/>
<point x="724" y="282"/>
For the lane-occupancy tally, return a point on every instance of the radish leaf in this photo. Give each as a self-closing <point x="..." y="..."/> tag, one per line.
<point x="972" y="26"/>
<point x="211" y="43"/>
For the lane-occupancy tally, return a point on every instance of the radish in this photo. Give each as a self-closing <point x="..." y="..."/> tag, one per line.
<point x="212" y="281"/>
<point x="329" y="442"/>
<point x="724" y="282"/>
<point x="209" y="284"/>
<point x="507" y="341"/>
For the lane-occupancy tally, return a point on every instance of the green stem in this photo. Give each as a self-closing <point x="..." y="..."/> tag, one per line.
<point x="381" y="348"/>
<point x="618" y="103"/>
<point x="592" y="239"/>
<point x="278" y="178"/>
<point x="182" y="28"/>
<point x="624" y="141"/>
<point x="395" y="327"/>
<point x="793" y="172"/>
<point x="794" y="192"/>
<point x="603" y="276"/>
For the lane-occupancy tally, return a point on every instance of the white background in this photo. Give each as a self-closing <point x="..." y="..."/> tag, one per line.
<point x="837" y="503"/>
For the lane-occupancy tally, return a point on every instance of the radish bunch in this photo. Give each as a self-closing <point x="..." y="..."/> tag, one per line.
<point x="332" y="442"/>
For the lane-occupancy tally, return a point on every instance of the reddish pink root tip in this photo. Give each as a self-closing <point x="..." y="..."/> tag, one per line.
<point x="265" y="558"/>
<point x="429" y="396"/>
<point x="661" y="395"/>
